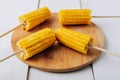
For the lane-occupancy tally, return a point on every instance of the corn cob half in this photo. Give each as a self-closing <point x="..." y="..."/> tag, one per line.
<point x="75" y="40"/>
<point x="74" y="16"/>
<point x="36" y="42"/>
<point x="32" y="19"/>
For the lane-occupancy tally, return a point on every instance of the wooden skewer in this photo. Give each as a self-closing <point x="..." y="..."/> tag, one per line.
<point x="106" y="51"/>
<point x="106" y="16"/>
<point x="95" y="47"/>
<point x="14" y="53"/>
<point x="10" y="30"/>
<point x="101" y="49"/>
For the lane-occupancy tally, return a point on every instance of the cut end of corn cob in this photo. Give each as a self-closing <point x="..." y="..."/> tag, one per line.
<point x="75" y="16"/>
<point x="34" y="18"/>
<point x="75" y="40"/>
<point x="36" y="43"/>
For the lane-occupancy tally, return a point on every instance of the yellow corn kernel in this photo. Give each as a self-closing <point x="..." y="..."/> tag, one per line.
<point x="34" y="18"/>
<point x="75" y="16"/>
<point x="75" y="40"/>
<point x="36" y="42"/>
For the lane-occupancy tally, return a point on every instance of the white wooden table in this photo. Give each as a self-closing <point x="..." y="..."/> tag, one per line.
<point x="107" y="67"/>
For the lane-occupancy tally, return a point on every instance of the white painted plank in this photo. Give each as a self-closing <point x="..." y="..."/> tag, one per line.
<point x="102" y="7"/>
<point x="107" y="67"/>
<point x="13" y="68"/>
<point x="56" y="5"/>
<point x="82" y="74"/>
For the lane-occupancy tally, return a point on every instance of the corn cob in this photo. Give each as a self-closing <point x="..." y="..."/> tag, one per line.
<point x="75" y="16"/>
<point x="75" y="40"/>
<point x="36" y="42"/>
<point x="32" y="19"/>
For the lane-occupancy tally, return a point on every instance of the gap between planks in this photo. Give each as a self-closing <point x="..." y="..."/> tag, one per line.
<point x="81" y="7"/>
<point x="38" y="6"/>
<point x="80" y="1"/>
<point x="93" y="71"/>
<point x="28" y="71"/>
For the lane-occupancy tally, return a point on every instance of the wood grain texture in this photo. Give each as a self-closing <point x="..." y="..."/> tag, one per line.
<point x="59" y="58"/>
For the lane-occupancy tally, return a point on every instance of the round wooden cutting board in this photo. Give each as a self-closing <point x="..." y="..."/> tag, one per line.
<point x="59" y="58"/>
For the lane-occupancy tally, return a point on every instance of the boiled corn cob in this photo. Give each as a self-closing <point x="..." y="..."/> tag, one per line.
<point x="36" y="42"/>
<point x="75" y="16"/>
<point x="75" y="40"/>
<point x="32" y="19"/>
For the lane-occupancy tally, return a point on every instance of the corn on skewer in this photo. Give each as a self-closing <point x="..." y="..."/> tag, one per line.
<point x="74" y="40"/>
<point x="75" y="16"/>
<point x="35" y="43"/>
<point x="78" y="16"/>
<point x="32" y="19"/>
<point x="78" y="41"/>
<point x="62" y="35"/>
